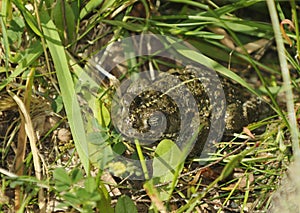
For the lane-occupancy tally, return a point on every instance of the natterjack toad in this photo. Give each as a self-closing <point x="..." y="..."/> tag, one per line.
<point x="183" y="102"/>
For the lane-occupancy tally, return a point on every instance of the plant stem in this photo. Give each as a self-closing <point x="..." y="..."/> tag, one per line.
<point x="295" y="20"/>
<point x="286" y="80"/>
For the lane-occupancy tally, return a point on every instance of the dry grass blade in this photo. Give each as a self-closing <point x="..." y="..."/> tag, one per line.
<point x="32" y="140"/>
<point x="22" y="139"/>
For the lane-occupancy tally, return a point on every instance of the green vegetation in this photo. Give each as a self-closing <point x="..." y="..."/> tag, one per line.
<point x="45" y="70"/>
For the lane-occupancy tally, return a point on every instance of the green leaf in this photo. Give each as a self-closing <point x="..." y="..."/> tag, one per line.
<point x="58" y="18"/>
<point x="119" y="148"/>
<point x="72" y="199"/>
<point x="90" y="184"/>
<point x="125" y="205"/>
<point x="57" y="104"/>
<point x="105" y="204"/>
<point x="104" y="117"/>
<point x="29" y="18"/>
<point x="87" y="199"/>
<point x="61" y="175"/>
<point x="61" y="187"/>
<point x="67" y="88"/>
<point x="30" y="56"/>
<point x="16" y="30"/>
<point x="76" y="175"/>
<point x="166" y="163"/>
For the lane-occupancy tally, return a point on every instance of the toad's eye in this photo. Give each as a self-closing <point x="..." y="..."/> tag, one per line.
<point x="156" y="119"/>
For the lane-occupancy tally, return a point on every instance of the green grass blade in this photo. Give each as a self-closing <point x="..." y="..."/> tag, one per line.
<point x="29" y="18"/>
<point x="30" y="56"/>
<point x="129" y="26"/>
<point x="192" y="3"/>
<point x="66" y="84"/>
<point x="198" y="57"/>
<point x="89" y="8"/>
<point x="5" y="12"/>
<point x="4" y="40"/>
